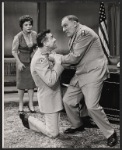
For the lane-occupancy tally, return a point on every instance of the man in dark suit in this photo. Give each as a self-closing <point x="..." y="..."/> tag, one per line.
<point x="91" y="70"/>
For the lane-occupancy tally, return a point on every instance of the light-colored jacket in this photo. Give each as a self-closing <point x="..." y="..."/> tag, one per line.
<point x="46" y="77"/>
<point x="87" y="55"/>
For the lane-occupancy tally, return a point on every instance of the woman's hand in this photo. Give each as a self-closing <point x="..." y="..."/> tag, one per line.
<point x="21" y="66"/>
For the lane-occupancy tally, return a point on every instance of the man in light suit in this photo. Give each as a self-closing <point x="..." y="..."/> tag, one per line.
<point x="91" y="70"/>
<point x="46" y="76"/>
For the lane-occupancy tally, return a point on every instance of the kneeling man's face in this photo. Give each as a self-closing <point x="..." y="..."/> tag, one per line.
<point x="50" y="41"/>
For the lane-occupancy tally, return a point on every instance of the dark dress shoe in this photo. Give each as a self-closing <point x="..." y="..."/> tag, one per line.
<point x="24" y="118"/>
<point x="88" y="123"/>
<point x="71" y="130"/>
<point x="112" y="140"/>
<point x="32" y="111"/>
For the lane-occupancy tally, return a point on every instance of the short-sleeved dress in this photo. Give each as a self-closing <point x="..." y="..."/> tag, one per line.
<point x="24" y="49"/>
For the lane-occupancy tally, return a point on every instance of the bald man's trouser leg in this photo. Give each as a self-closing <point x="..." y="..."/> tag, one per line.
<point x="92" y="94"/>
<point x="71" y="100"/>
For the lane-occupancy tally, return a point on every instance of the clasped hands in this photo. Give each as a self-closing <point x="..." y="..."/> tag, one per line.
<point x="55" y="57"/>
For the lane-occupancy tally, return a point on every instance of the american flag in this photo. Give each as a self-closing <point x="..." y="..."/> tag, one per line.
<point x="102" y="30"/>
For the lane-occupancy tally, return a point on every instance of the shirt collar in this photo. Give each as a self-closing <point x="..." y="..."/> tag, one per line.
<point x="78" y="27"/>
<point x="44" y="51"/>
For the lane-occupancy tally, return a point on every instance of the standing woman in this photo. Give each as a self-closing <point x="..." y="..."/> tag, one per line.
<point x="23" y="48"/>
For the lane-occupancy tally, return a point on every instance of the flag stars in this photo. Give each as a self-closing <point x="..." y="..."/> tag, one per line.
<point x="102" y="16"/>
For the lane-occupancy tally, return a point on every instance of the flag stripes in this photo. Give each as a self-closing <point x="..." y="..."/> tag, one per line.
<point x="104" y="35"/>
<point x="104" y="45"/>
<point x="102" y="30"/>
<point x="104" y="50"/>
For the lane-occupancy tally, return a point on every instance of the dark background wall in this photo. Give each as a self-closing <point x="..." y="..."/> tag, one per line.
<point x="49" y="14"/>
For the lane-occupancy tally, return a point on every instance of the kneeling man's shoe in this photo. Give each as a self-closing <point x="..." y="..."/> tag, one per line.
<point x="24" y="117"/>
<point x="112" y="140"/>
<point x="71" y="130"/>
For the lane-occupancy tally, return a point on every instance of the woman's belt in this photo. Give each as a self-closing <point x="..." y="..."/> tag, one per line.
<point x="25" y="51"/>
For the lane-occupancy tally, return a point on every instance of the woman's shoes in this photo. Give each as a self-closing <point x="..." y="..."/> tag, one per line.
<point x="24" y="117"/>
<point x="20" y="111"/>
<point x="32" y="111"/>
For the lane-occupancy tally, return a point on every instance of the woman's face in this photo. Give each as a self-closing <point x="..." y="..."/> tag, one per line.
<point x="27" y="27"/>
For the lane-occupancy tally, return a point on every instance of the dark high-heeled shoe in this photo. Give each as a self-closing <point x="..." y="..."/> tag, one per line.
<point x="24" y="117"/>
<point x="32" y="111"/>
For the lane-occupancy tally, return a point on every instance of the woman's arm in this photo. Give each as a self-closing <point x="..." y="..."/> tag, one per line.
<point x="15" y="46"/>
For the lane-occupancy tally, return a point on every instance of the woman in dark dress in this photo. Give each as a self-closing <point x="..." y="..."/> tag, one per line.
<point x="23" y="48"/>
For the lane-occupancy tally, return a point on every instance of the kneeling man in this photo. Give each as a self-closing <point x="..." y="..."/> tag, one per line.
<point x="46" y="76"/>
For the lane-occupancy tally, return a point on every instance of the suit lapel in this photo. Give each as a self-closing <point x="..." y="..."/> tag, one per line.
<point x="72" y="40"/>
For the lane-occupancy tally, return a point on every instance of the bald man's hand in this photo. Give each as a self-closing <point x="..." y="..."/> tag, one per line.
<point x="55" y="57"/>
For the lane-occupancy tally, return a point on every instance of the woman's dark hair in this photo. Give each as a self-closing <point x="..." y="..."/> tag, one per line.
<point x="25" y="18"/>
<point x="41" y="37"/>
